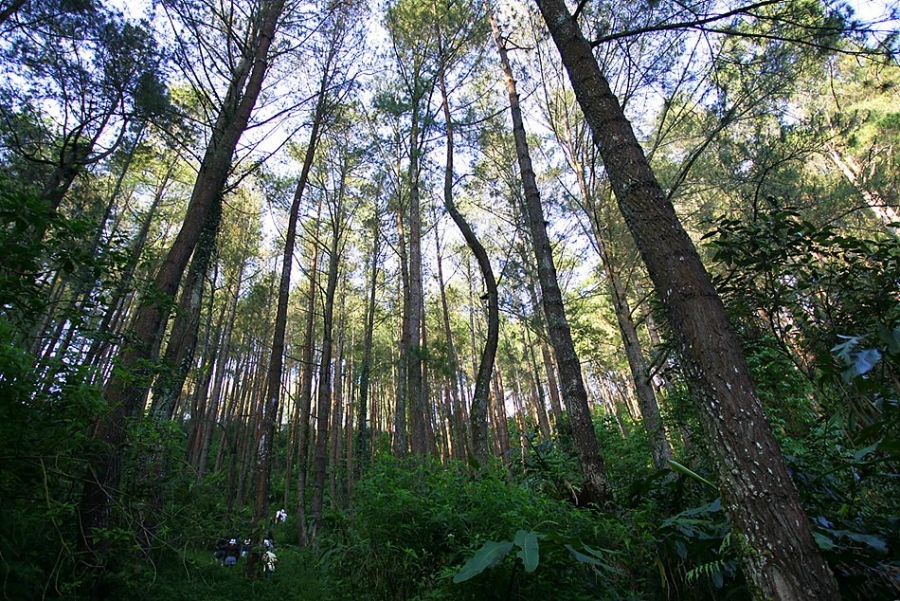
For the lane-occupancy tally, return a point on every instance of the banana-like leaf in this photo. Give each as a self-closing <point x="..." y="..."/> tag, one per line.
<point x="488" y="555"/>
<point x="528" y="549"/>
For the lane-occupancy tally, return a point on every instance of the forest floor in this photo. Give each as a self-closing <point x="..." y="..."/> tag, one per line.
<point x="201" y="577"/>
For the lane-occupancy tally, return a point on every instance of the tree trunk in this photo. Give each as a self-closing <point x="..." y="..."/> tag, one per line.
<point x="363" y="431"/>
<point x="481" y="398"/>
<point x="308" y="369"/>
<point x="323" y="405"/>
<point x="401" y="440"/>
<point x="126" y="389"/>
<point x="276" y="360"/>
<point x="415" y="389"/>
<point x="779" y="556"/>
<point x="205" y="433"/>
<point x="182" y="343"/>
<point x="595" y="488"/>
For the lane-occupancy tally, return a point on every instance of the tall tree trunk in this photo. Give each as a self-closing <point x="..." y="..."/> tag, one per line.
<point x="538" y="399"/>
<point x="595" y="488"/>
<point x="416" y="354"/>
<point x="660" y="450"/>
<point x="401" y="439"/>
<point x="337" y="415"/>
<point x="779" y="556"/>
<point x="323" y="405"/>
<point x="117" y="304"/>
<point x="549" y="367"/>
<point x="125" y="391"/>
<point x="182" y="343"/>
<point x="481" y="398"/>
<point x="205" y="433"/>
<point x="363" y="430"/>
<point x="646" y="396"/>
<point x="308" y="369"/>
<point x="276" y="360"/>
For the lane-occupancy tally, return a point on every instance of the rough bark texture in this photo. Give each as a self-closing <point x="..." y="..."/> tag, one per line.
<point x="595" y="488"/>
<point x="780" y="558"/>
<point x="415" y="367"/>
<point x="126" y="389"/>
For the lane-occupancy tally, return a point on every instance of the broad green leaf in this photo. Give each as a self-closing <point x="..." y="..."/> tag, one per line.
<point x="858" y="455"/>
<point x="488" y="555"/>
<point x="869" y="539"/>
<point x="528" y="549"/>
<point x="588" y="559"/>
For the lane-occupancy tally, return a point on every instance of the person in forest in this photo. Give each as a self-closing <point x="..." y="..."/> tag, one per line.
<point x="232" y="552"/>
<point x="219" y="551"/>
<point x="280" y="516"/>
<point x="269" y="542"/>
<point x="269" y="561"/>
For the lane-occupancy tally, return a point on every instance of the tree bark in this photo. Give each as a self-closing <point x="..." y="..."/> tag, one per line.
<point x="323" y="405"/>
<point x="779" y="556"/>
<point x="481" y="398"/>
<point x="126" y="389"/>
<point x="308" y="369"/>
<point x="276" y="360"/>
<point x="363" y="430"/>
<point x="595" y="488"/>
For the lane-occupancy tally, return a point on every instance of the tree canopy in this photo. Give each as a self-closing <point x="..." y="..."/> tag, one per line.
<point x="485" y="300"/>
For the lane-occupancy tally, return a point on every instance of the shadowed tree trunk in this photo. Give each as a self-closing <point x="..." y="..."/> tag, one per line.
<point x="126" y="389"/>
<point x="307" y="370"/>
<point x="779" y="556"/>
<point x="182" y="343"/>
<point x="595" y="488"/>
<point x="323" y="405"/>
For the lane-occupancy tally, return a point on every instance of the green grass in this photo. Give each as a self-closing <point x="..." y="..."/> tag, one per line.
<point x="199" y="577"/>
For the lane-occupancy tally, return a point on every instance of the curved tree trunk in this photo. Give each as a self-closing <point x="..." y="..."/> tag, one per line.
<point x="481" y="398"/>
<point x="779" y="556"/>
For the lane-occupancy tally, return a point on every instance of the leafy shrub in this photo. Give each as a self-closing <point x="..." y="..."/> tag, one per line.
<point x="415" y="523"/>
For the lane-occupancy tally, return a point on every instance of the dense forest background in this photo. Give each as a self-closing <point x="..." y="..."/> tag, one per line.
<point x="497" y="300"/>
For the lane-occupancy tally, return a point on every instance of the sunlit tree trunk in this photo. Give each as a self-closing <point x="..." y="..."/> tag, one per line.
<point x="779" y="556"/>
<point x="595" y="488"/>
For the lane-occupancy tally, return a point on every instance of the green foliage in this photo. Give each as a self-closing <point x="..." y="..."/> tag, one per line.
<point x="492" y="553"/>
<point x="197" y="576"/>
<point x="415" y="524"/>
